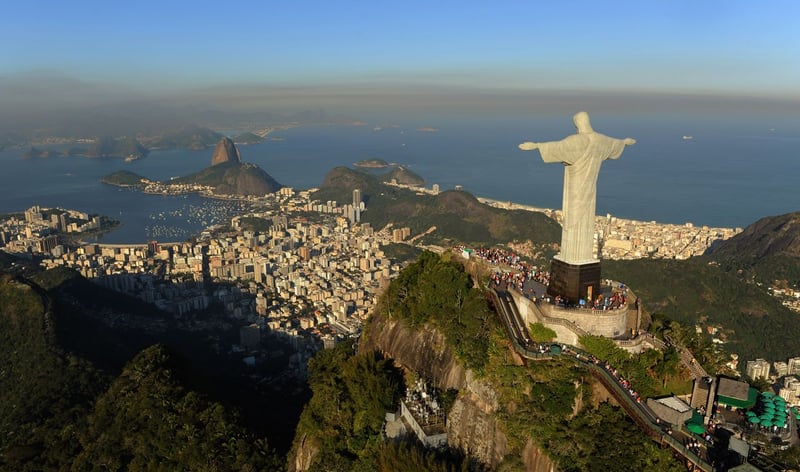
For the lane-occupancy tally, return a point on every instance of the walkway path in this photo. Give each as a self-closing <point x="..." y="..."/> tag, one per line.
<point x="639" y="412"/>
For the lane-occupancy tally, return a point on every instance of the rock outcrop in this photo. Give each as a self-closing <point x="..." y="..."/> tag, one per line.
<point x="472" y="425"/>
<point x="422" y="350"/>
<point x="228" y="175"/>
<point x="226" y="151"/>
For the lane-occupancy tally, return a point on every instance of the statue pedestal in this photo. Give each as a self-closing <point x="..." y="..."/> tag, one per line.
<point x="574" y="281"/>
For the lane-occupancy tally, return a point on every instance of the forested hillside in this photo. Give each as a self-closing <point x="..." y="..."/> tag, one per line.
<point x="58" y="411"/>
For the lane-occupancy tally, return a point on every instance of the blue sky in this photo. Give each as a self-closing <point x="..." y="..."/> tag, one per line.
<point x="731" y="47"/>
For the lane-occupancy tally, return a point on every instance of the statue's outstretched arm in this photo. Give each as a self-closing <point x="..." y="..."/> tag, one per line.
<point x="629" y="141"/>
<point x="529" y="146"/>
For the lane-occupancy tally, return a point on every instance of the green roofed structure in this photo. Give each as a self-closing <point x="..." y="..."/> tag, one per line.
<point x="735" y="393"/>
<point x="695" y="428"/>
<point x="713" y="393"/>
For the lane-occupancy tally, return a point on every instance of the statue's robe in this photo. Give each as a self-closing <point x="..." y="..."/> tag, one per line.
<point x="581" y="155"/>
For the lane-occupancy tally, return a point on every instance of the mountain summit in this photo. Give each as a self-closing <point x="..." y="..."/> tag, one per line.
<point x="230" y="176"/>
<point x="226" y="151"/>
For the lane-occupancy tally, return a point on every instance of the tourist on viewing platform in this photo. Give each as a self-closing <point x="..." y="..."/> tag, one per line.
<point x="522" y="273"/>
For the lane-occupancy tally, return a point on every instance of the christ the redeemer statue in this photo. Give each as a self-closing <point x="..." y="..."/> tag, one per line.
<point x="581" y="155"/>
<point x="574" y="273"/>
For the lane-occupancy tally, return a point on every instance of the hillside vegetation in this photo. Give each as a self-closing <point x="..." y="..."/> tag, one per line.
<point x="57" y="411"/>
<point x="699" y="290"/>
<point x="437" y="290"/>
<point x="234" y="178"/>
<point x="458" y="216"/>
<point x="768" y="251"/>
<point x="549" y="403"/>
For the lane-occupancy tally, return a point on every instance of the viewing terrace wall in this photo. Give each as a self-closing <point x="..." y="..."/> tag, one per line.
<point x="569" y="324"/>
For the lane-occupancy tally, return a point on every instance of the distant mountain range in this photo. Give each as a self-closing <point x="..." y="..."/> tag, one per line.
<point x="105" y="146"/>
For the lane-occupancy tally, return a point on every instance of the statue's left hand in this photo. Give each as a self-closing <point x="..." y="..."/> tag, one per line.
<point x="528" y="146"/>
<point x="629" y="141"/>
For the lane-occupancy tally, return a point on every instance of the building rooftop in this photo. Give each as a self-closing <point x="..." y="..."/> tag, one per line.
<point x="675" y="403"/>
<point x="733" y="388"/>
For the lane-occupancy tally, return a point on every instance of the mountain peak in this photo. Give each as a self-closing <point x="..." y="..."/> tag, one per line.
<point x="226" y="151"/>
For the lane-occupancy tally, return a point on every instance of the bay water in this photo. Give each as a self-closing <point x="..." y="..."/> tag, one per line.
<point x="733" y="170"/>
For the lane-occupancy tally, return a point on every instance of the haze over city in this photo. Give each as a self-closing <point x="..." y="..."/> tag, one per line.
<point x="411" y="57"/>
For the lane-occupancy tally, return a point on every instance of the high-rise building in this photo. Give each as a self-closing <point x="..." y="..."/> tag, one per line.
<point x="33" y="214"/>
<point x="357" y="205"/>
<point x="794" y="366"/>
<point x="62" y="222"/>
<point x="758" y="369"/>
<point x="790" y="391"/>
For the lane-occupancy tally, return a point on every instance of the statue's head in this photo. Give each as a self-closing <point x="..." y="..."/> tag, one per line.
<point x="581" y="120"/>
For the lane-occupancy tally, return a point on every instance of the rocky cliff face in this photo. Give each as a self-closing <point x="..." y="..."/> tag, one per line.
<point x="471" y="425"/>
<point x="225" y="151"/>
<point x="421" y="350"/>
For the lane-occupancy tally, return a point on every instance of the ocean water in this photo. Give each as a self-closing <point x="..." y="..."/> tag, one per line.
<point x="734" y="171"/>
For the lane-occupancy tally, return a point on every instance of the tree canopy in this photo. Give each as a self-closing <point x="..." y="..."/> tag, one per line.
<point x="438" y="290"/>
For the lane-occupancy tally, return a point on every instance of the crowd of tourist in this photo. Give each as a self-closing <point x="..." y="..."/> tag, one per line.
<point x="521" y="273"/>
<point x="622" y="381"/>
<point x="515" y="272"/>
<point x="615" y="301"/>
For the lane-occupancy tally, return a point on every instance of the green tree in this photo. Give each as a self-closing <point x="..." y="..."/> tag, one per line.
<point x="541" y="333"/>
<point x="148" y="420"/>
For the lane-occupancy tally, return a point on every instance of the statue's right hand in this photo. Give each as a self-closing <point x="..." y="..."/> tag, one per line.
<point x="528" y="146"/>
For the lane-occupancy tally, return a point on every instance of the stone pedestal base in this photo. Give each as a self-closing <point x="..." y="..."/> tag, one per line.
<point x="574" y="281"/>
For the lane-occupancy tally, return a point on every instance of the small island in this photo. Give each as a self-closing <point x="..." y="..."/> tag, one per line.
<point x="124" y="178"/>
<point x="372" y="164"/>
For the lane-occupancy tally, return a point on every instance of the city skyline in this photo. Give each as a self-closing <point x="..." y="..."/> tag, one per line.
<point x="371" y="54"/>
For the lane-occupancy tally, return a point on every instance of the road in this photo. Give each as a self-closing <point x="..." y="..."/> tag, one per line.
<point x="639" y="412"/>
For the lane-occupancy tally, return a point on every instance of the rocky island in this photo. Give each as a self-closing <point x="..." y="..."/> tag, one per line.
<point x="372" y="164"/>
<point x="227" y="175"/>
<point x="124" y="178"/>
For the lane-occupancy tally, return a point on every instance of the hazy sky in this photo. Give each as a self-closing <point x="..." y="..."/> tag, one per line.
<point x="741" y="47"/>
<point x="391" y="55"/>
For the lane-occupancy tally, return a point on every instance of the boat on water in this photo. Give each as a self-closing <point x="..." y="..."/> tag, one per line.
<point x="687" y="138"/>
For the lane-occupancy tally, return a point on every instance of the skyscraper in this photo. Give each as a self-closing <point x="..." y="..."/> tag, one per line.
<point x="357" y="204"/>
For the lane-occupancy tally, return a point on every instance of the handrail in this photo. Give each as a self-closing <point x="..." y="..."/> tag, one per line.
<point x="639" y="412"/>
